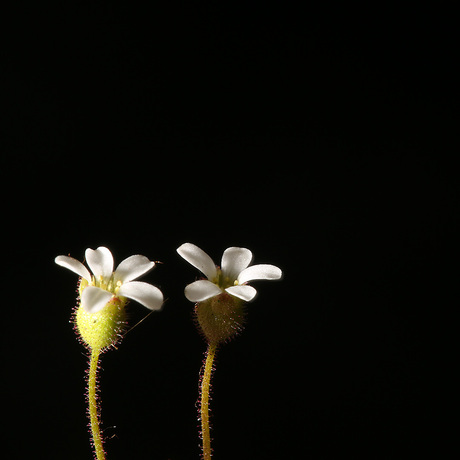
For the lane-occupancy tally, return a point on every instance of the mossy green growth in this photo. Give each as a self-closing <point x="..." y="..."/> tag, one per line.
<point x="102" y="329"/>
<point x="220" y="318"/>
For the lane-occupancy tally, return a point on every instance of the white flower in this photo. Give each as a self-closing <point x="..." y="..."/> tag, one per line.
<point x="97" y="290"/>
<point x="231" y="277"/>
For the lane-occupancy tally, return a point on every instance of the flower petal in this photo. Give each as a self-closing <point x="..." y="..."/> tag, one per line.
<point x="94" y="299"/>
<point x="244" y="292"/>
<point x="73" y="265"/>
<point x="100" y="261"/>
<point x="260" y="272"/>
<point x="201" y="290"/>
<point x="133" y="267"/>
<point x="235" y="260"/>
<point x="199" y="259"/>
<point x="147" y="295"/>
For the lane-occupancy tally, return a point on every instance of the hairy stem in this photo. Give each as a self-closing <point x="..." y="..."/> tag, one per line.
<point x="204" y="406"/>
<point x="92" y="406"/>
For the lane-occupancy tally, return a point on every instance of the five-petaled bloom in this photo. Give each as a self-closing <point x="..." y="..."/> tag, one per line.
<point x="220" y="299"/>
<point x="106" y="285"/>
<point x="231" y="277"/>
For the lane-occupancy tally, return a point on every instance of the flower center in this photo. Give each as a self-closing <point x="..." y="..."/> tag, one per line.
<point x="109" y="286"/>
<point x="223" y="281"/>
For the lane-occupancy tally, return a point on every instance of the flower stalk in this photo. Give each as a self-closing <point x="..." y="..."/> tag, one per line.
<point x="93" y="407"/>
<point x="204" y="405"/>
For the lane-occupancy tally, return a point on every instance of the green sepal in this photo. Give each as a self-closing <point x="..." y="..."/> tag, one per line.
<point x="220" y="318"/>
<point x="102" y="329"/>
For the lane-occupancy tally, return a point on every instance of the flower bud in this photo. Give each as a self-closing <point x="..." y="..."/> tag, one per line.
<point x="102" y="329"/>
<point x="220" y="318"/>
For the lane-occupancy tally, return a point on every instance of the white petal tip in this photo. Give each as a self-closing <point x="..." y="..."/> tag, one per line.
<point x="243" y="292"/>
<point x="147" y="295"/>
<point x="260" y="272"/>
<point x="74" y="265"/>
<point x="201" y="290"/>
<point x="94" y="299"/>
<point x="132" y="268"/>
<point x="198" y="258"/>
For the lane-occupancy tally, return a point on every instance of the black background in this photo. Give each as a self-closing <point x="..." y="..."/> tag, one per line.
<point x="324" y="141"/>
